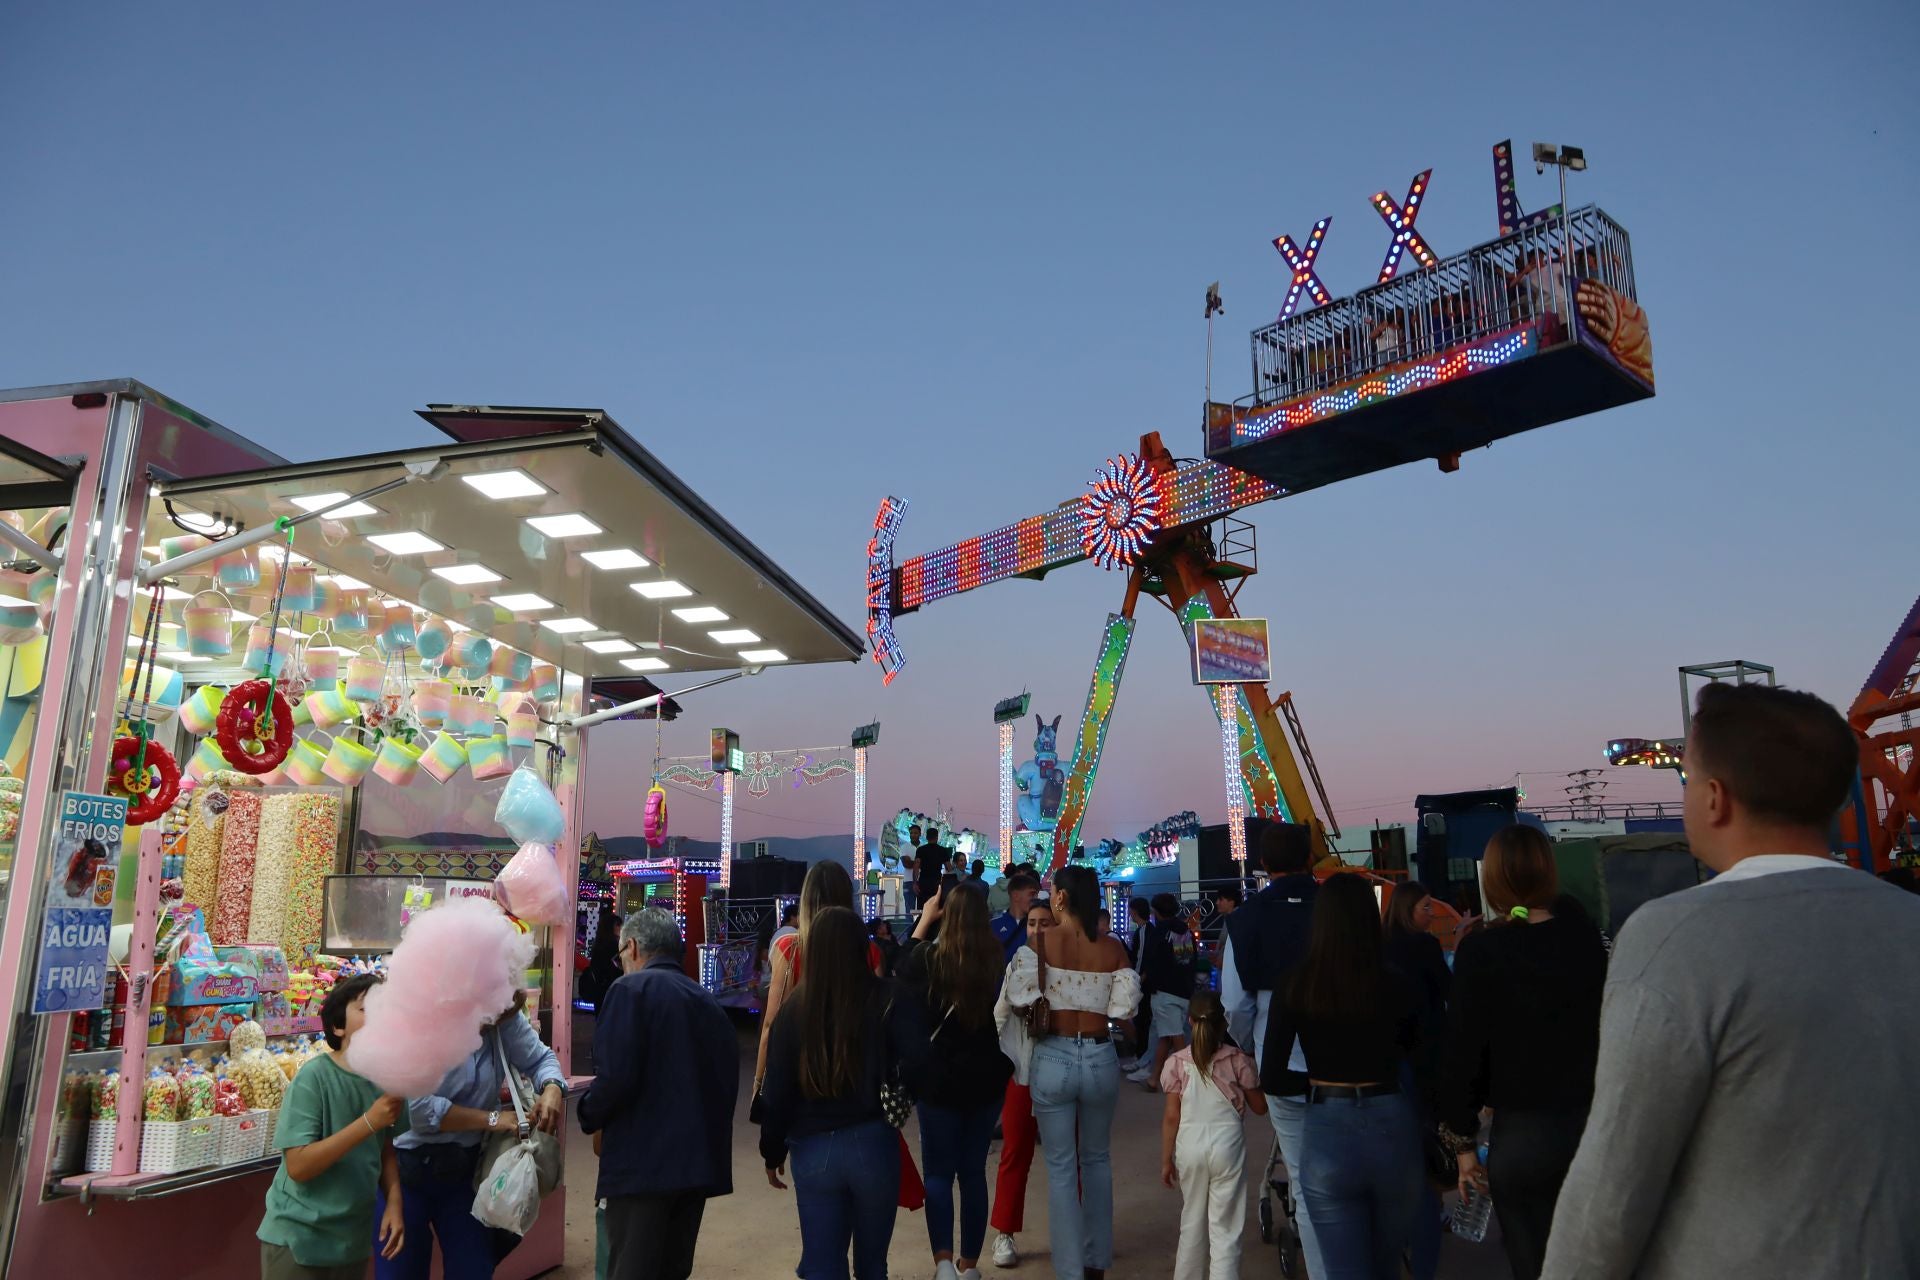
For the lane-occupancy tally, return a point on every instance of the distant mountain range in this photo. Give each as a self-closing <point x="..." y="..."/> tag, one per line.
<point x="795" y="848"/>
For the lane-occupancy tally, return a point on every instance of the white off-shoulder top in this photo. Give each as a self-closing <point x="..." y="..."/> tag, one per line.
<point x="1114" y="995"/>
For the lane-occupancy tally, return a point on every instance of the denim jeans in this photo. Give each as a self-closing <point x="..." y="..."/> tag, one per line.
<point x="953" y="1144"/>
<point x="436" y="1199"/>
<point x="846" y="1185"/>
<point x="1289" y="1119"/>
<point x="1361" y="1172"/>
<point x="1075" y="1085"/>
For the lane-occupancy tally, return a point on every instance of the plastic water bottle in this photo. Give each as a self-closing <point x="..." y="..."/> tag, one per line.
<point x="1475" y="1212"/>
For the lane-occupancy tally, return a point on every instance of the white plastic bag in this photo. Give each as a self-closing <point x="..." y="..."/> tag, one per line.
<point x="532" y="886"/>
<point x="509" y="1198"/>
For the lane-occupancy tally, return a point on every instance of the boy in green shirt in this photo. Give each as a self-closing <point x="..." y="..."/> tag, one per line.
<point x="336" y="1134"/>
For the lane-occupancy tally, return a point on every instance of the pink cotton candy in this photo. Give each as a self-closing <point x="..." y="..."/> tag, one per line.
<point x="454" y="971"/>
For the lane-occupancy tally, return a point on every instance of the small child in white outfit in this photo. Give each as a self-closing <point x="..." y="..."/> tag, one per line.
<point x="1203" y="1149"/>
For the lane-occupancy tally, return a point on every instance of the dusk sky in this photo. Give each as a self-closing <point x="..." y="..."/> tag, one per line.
<point x="815" y="254"/>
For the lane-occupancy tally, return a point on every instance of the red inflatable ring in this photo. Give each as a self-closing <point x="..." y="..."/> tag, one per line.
<point x="151" y="783"/>
<point x="239" y="724"/>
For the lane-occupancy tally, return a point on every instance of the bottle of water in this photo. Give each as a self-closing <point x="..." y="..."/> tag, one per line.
<point x="1475" y="1212"/>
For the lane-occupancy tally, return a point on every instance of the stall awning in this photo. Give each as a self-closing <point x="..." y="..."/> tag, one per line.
<point x="572" y="545"/>
<point x="21" y="465"/>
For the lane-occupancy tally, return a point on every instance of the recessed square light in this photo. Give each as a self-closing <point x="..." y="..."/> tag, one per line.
<point x="619" y="558"/>
<point x="568" y="626"/>
<point x="346" y="583"/>
<point x="762" y="655"/>
<point x="525" y="602"/>
<point x="571" y="525"/>
<point x="665" y="589"/>
<point x="737" y="636"/>
<point x="506" y="484"/>
<point x="701" y="613"/>
<point x="465" y="575"/>
<point x="611" y="646"/>
<point x="323" y="501"/>
<point x="407" y="543"/>
<point x="643" y="664"/>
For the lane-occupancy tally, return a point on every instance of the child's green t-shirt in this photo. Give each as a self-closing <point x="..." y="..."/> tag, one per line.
<point x="328" y="1220"/>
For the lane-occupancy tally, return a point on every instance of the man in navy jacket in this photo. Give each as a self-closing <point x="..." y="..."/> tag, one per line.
<point x="668" y="1065"/>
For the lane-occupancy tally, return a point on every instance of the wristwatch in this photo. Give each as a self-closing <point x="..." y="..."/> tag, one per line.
<point x="493" y="1119"/>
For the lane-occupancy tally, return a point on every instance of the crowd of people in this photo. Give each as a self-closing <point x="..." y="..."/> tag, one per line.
<point x="1724" y="1095"/>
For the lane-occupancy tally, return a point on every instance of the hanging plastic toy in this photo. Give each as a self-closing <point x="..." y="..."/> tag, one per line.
<point x="255" y="725"/>
<point x="140" y="769"/>
<point x="655" y="826"/>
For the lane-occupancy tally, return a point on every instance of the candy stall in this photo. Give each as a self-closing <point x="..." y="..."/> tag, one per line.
<point x="258" y="716"/>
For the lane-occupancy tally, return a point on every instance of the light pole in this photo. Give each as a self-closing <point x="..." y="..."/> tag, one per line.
<point x="1562" y="158"/>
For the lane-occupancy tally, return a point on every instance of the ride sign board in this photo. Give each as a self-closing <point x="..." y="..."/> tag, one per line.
<point x="71" y="972"/>
<point x="1231" y="651"/>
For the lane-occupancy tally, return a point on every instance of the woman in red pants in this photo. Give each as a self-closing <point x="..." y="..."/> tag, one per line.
<point x="1018" y="1133"/>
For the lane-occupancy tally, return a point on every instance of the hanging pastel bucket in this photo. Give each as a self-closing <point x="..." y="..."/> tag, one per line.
<point x="434" y="639"/>
<point x="398" y="630"/>
<point x="546" y="682"/>
<point x="366" y="678"/>
<point x="262" y="646"/>
<point x="476" y="652"/>
<point x="209" y="626"/>
<point x="432" y="702"/>
<point x="501" y="663"/>
<point x="200" y="714"/>
<point x="320" y="661"/>
<point x="238" y="570"/>
<point x="349" y="762"/>
<point x="306" y="764"/>
<point x="205" y="759"/>
<point x="168" y="686"/>
<point x="488" y="757"/>
<point x="523" y="727"/>
<point x="398" y="761"/>
<point x="471" y="716"/>
<point x="329" y="705"/>
<point x="444" y="757"/>
<point x="297" y="589"/>
<point x="350" y="615"/>
<point x="19" y="614"/>
<point x="181" y="543"/>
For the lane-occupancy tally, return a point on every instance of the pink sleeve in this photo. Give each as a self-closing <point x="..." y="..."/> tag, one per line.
<point x="1173" y="1076"/>
<point x="1244" y="1073"/>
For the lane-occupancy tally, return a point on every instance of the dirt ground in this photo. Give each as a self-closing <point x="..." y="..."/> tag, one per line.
<point x="754" y="1234"/>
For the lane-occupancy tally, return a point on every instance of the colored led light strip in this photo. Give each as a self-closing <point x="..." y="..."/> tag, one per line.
<point x="860" y="816"/>
<point x="880" y="606"/>
<point x="1006" y="795"/>
<point x="1460" y="362"/>
<point x="1120" y="909"/>
<point x="726" y="829"/>
<point x="1227" y="704"/>
<point x="1400" y="219"/>
<point x="1121" y="514"/>
<point x="1300" y="262"/>
<point x="1190" y="495"/>
<point x="1101" y="694"/>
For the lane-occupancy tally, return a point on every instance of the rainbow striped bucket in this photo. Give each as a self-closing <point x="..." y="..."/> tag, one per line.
<point x="297" y="592"/>
<point x="349" y="762"/>
<point x="205" y="759"/>
<point x="200" y="714"/>
<point x="366" y="678"/>
<point x="471" y="716"/>
<point x="350" y="617"/>
<point x="238" y="569"/>
<point x="444" y="757"/>
<point x="306" y="764"/>
<point x="329" y="705"/>
<point x="432" y="702"/>
<point x="209" y="626"/>
<point x="546" y="682"/>
<point x="435" y="638"/>
<point x="488" y="757"/>
<point x="398" y="761"/>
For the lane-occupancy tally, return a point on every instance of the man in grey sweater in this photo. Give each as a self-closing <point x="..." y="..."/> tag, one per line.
<point x="1752" y="1113"/>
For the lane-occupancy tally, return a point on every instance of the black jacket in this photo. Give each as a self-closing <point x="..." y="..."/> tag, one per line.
<point x="1269" y="934"/>
<point x="669" y="1075"/>
<point x="946" y="1064"/>
<point x="786" y="1110"/>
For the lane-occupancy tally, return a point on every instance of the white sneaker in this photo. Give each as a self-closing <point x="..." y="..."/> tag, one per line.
<point x="1004" y="1254"/>
<point x="971" y="1273"/>
<point x="1140" y="1075"/>
<point x="945" y="1271"/>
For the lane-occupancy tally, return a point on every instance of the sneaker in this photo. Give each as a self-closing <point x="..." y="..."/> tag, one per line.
<point x="1004" y="1254"/>
<point x="971" y="1273"/>
<point x="1140" y="1074"/>
<point x="945" y="1271"/>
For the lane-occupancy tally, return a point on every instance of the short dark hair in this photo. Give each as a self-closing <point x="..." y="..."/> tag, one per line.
<point x="1283" y="853"/>
<point x="333" y="1010"/>
<point x="1020" y="881"/>
<point x="1785" y="755"/>
<point x="1166" y="906"/>
<point x="1231" y="892"/>
<point x="979" y="867"/>
<point x="1138" y="906"/>
<point x="790" y="914"/>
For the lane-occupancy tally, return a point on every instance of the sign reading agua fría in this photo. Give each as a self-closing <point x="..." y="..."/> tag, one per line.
<point x="1231" y="651"/>
<point x="71" y="972"/>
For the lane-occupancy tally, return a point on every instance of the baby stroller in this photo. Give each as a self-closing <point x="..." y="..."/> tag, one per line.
<point x="1279" y="1228"/>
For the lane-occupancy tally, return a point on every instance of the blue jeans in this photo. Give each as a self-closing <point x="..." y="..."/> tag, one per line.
<point x="1075" y="1085"/>
<point x="846" y="1185"/>
<point x="1361" y="1171"/>
<point x="436" y="1199"/>
<point x="1289" y="1119"/>
<point x="953" y="1144"/>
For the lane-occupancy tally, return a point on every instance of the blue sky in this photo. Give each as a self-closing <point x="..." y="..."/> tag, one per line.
<point x="815" y="254"/>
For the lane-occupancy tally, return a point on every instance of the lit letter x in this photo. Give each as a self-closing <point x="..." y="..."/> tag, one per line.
<point x="1304" y="276"/>
<point x="1401" y="219"/>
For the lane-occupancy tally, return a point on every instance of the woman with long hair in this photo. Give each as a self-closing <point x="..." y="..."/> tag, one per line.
<point x="832" y="1046"/>
<point x="956" y="1070"/>
<point x="1416" y="953"/>
<point x="1525" y="1035"/>
<point x="1360" y="1166"/>
<point x="827" y="885"/>
<point x="1087" y="982"/>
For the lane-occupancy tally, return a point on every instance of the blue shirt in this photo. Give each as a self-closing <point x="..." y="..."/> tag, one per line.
<point x="1011" y="932"/>
<point x="476" y="1083"/>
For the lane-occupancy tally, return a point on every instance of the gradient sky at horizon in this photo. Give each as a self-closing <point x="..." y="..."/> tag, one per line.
<point x="815" y="255"/>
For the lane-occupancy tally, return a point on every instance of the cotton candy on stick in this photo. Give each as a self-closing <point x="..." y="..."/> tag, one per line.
<point x="454" y="971"/>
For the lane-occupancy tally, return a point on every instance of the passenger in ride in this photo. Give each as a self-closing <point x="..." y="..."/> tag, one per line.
<point x="1753" y="1111"/>
<point x="1088" y="983"/>
<point x="1354" y="1019"/>
<point x="1525" y="1030"/>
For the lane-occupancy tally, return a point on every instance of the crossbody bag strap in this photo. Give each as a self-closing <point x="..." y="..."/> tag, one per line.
<point x="1040" y="952"/>
<point x="513" y="1090"/>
